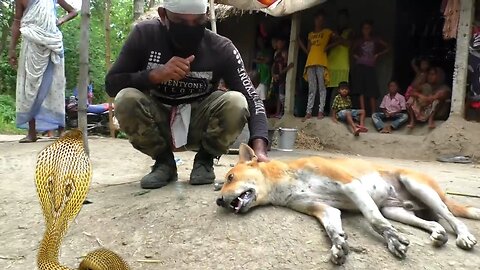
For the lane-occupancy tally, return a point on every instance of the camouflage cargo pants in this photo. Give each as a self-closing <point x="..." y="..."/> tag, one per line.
<point x="215" y="123"/>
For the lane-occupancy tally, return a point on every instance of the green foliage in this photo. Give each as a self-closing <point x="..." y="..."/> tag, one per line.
<point x="7" y="115"/>
<point x="121" y="20"/>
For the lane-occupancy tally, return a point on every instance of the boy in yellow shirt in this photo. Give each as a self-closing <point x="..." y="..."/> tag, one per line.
<point x="317" y="63"/>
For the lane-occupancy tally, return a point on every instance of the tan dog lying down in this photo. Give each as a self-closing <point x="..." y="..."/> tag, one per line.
<point x="320" y="187"/>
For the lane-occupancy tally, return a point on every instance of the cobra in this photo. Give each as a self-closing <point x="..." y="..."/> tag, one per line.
<point x="62" y="177"/>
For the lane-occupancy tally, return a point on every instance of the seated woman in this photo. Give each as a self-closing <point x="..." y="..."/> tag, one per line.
<point x="425" y="100"/>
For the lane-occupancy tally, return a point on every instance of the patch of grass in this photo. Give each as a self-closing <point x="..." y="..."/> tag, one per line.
<point x="7" y="116"/>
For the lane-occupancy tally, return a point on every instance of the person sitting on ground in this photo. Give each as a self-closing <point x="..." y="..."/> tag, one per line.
<point x="393" y="108"/>
<point x="165" y="96"/>
<point x="342" y="110"/>
<point x="425" y="100"/>
<point x="421" y="71"/>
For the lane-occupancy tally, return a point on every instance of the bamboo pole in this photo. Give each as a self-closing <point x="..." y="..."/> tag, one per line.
<point x="292" y="58"/>
<point x="108" y="64"/>
<point x="83" y="76"/>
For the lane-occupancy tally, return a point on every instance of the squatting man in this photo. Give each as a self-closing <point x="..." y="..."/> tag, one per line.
<point x="164" y="84"/>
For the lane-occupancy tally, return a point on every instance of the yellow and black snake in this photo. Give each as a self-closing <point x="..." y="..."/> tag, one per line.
<point x="62" y="177"/>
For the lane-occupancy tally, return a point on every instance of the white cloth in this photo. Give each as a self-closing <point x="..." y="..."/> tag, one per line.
<point x="186" y="6"/>
<point x="41" y="45"/>
<point x="262" y="91"/>
<point x="179" y="124"/>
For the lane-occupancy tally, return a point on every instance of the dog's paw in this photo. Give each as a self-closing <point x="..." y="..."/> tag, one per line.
<point x="439" y="236"/>
<point x="466" y="241"/>
<point x="339" y="252"/>
<point x="397" y="244"/>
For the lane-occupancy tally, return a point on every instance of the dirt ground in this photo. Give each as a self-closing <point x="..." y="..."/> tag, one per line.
<point x="454" y="136"/>
<point x="180" y="226"/>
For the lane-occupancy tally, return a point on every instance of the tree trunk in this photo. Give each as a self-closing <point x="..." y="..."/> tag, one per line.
<point x="83" y="76"/>
<point x="5" y="30"/>
<point x="108" y="63"/>
<point x="151" y="4"/>
<point x="138" y="8"/>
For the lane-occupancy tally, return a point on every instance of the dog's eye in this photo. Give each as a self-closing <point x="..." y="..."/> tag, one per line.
<point x="230" y="178"/>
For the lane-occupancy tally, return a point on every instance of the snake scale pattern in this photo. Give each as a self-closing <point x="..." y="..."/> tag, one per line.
<point x="62" y="176"/>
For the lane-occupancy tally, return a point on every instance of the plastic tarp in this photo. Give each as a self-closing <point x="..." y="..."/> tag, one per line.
<point x="275" y="8"/>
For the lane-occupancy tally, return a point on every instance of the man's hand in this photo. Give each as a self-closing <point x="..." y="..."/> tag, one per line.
<point x="175" y="69"/>
<point x="12" y="58"/>
<point x="425" y="99"/>
<point x="335" y="120"/>
<point x="260" y="148"/>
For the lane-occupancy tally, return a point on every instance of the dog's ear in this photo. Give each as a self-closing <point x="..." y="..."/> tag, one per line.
<point x="246" y="154"/>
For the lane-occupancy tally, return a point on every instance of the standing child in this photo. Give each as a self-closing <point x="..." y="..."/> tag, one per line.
<point x="366" y="52"/>
<point x="393" y="108"/>
<point x="339" y="51"/>
<point x="342" y="110"/>
<point x="279" y="74"/>
<point x="317" y="63"/>
<point x="262" y="61"/>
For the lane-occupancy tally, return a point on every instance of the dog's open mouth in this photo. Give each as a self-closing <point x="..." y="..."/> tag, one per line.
<point x="241" y="201"/>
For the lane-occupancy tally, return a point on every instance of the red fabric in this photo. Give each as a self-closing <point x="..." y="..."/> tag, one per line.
<point x="267" y="2"/>
<point x="475" y="105"/>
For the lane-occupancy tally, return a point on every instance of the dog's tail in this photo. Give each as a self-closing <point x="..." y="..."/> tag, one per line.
<point x="460" y="210"/>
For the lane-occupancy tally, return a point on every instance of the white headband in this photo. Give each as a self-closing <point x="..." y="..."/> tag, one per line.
<point x="186" y="6"/>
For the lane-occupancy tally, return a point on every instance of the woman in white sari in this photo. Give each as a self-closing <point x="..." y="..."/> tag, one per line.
<point x="40" y="93"/>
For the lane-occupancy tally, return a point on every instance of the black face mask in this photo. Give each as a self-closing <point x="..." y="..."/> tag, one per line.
<point x="185" y="39"/>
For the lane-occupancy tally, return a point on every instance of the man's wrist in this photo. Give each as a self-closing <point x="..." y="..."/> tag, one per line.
<point x="155" y="76"/>
<point x="259" y="144"/>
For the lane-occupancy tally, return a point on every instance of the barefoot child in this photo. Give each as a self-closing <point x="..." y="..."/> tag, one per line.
<point x="316" y="67"/>
<point x="342" y="110"/>
<point x="366" y="52"/>
<point x="393" y="108"/>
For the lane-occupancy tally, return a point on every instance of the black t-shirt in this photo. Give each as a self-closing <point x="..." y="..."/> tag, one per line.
<point x="147" y="47"/>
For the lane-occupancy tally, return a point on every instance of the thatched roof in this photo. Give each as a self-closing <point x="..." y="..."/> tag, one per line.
<point x="221" y="12"/>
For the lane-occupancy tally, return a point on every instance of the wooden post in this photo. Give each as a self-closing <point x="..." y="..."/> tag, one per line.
<point x="461" y="59"/>
<point x="83" y="77"/>
<point x="292" y="58"/>
<point x="213" y="18"/>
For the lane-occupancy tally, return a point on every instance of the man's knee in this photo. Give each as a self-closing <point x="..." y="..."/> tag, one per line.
<point x="235" y="103"/>
<point x="236" y="99"/>
<point x="127" y="97"/>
